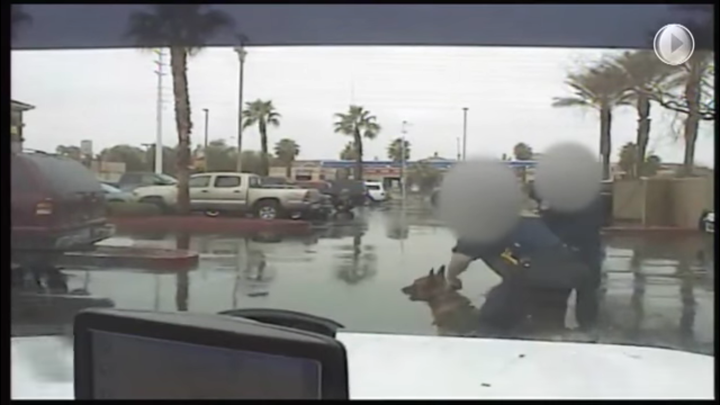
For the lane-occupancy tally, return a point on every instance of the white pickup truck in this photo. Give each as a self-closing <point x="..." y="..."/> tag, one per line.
<point x="230" y="192"/>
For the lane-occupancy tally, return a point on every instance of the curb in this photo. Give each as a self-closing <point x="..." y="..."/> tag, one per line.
<point x="202" y="224"/>
<point x="114" y="257"/>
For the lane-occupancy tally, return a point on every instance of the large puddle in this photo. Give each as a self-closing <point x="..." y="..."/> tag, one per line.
<point x="656" y="291"/>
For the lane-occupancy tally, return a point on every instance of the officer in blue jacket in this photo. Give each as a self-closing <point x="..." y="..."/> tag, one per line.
<point x="538" y="273"/>
<point x="581" y="230"/>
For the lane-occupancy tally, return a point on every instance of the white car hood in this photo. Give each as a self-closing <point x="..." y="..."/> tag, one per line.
<point x="427" y="367"/>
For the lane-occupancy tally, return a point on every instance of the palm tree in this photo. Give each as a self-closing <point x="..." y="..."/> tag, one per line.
<point x="263" y="114"/>
<point x="185" y="29"/>
<point x="286" y="150"/>
<point x="696" y="102"/>
<point x="359" y="124"/>
<point x="602" y="88"/>
<point x="399" y="150"/>
<point x="644" y="72"/>
<point x="18" y="19"/>
<point x="349" y="152"/>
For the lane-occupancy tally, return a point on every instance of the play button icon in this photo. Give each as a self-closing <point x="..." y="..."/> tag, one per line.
<point x="674" y="44"/>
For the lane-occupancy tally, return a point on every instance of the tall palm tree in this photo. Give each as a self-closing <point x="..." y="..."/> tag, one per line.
<point x="185" y="29"/>
<point x="358" y="123"/>
<point x="263" y="114"/>
<point x="286" y="150"/>
<point x="19" y="18"/>
<point x="645" y="72"/>
<point x="348" y="152"/>
<point x="603" y="88"/>
<point x="399" y="150"/>
<point x="696" y="102"/>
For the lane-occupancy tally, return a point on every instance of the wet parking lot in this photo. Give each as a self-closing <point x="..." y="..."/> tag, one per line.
<point x="656" y="291"/>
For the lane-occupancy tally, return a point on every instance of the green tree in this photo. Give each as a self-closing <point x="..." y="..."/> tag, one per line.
<point x="602" y="88"/>
<point x="286" y="150"/>
<point x="425" y="176"/>
<point x="184" y="29"/>
<point x="263" y="114"/>
<point x="19" y="18"/>
<point x="645" y="72"/>
<point x="395" y="150"/>
<point x="135" y="159"/>
<point x="348" y="152"/>
<point x="522" y="151"/>
<point x="219" y="157"/>
<point x="169" y="160"/>
<point x="359" y="124"/>
<point x="69" y="151"/>
<point x="252" y="162"/>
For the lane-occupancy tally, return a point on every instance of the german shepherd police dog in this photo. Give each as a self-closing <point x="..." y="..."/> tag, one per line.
<point x="454" y="315"/>
<point x="452" y="312"/>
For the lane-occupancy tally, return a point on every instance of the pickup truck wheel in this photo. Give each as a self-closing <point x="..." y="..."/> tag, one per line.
<point x="212" y="213"/>
<point x="267" y="209"/>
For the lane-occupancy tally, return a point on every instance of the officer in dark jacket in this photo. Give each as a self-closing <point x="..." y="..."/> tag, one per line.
<point x="581" y="231"/>
<point x="538" y="273"/>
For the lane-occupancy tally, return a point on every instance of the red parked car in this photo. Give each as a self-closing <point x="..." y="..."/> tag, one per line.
<point x="58" y="205"/>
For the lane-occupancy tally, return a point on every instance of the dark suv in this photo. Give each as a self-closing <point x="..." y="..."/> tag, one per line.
<point x="57" y="205"/>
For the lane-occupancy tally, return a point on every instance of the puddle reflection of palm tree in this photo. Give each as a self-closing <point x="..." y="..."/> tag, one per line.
<point x="361" y="266"/>
<point x="637" y="299"/>
<point x="687" y="297"/>
<point x="182" y="278"/>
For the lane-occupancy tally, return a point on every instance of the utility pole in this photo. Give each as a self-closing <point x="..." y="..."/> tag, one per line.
<point x="403" y="168"/>
<point x="205" y="149"/>
<point x="240" y="50"/>
<point x="160" y="64"/>
<point x="464" y="144"/>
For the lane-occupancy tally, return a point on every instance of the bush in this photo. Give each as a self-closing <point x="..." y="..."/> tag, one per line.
<point x="132" y="209"/>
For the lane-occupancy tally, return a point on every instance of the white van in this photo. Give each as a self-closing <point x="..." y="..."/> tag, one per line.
<point x="376" y="191"/>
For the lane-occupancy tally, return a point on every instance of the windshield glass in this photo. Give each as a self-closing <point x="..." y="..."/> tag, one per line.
<point x="614" y="242"/>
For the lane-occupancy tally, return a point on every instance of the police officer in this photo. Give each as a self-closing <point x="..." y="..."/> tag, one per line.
<point x="538" y="273"/>
<point x="581" y="230"/>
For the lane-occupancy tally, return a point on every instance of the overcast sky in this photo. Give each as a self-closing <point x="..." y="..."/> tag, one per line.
<point x="109" y="97"/>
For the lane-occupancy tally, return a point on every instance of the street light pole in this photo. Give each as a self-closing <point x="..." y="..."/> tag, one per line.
<point x="240" y="50"/>
<point x="464" y="144"/>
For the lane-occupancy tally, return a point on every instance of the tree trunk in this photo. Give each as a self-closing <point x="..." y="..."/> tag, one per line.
<point x="178" y="63"/>
<point x="692" y="121"/>
<point x="288" y="169"/>
<point x="358" y="155"/>
<point x="605" y="140"/>
<point x="643" y="133"/>
<point x="262" y="126"/>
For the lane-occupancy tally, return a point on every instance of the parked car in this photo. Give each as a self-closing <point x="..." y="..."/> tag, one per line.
<point x="231" y="192"/>
<point x="376" y="191"/>
<point x="354" y="190"/>
<point x="57" y="205"/>
<point x="114" y="194"/>
<point x="132" y="180"/>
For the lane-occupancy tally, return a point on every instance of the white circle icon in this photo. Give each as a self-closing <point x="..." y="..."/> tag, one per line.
<point x="674" y="44"/>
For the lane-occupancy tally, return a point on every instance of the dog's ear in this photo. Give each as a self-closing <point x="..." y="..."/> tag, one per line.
<point x="432" y="272"/>
<point x="441" y="272"/>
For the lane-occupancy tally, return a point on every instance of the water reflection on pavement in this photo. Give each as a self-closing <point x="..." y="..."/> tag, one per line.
<point x="656" y="292"/>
